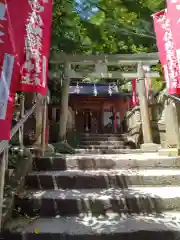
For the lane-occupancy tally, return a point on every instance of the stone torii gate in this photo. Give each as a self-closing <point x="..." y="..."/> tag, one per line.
<point x="100" y="66"/>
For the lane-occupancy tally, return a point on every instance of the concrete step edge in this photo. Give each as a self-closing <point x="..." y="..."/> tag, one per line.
<point x="124" y="172"/>
<point x="170" y="192"/>
<point x="109" y="224"/>
<point x="116" y="151"/>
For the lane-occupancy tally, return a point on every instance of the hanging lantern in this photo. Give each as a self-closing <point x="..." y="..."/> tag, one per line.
<point x="77" y="89"/>
<point x="95" y="90"/>
<point x="110" y="90"/>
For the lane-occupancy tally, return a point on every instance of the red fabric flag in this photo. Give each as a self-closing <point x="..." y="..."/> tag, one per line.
<point x="173" y="10"/>
<point x="134" y="96"/>
<point x="167" y="51"/>
<point x="24" y="51"/>
<point x="32" y="32"/>
<point x="9" y="72"/>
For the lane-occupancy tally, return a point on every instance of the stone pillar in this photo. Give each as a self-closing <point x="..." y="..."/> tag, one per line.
<point x="39" y="122"/>
<point x="172" y="136"/>
<point x="64" y="102"/>
<point x="29" y="129"/>
<point x="144" y="111"/>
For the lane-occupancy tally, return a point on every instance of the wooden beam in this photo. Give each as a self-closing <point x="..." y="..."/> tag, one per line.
<point x="135" y="58"/>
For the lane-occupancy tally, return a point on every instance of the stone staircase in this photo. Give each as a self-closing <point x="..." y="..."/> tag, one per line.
<point x="103" y="143"/>
<point x="99" y="196"/>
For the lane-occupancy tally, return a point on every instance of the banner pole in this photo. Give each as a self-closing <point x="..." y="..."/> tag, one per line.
<point x="3" y="164"/>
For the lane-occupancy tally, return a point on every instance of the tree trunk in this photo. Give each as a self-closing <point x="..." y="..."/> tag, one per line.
<point x="64" y="104"/>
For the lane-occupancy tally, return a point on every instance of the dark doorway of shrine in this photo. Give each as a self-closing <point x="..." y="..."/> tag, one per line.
<point x="88" y="121"/>
<point x="94" y="114"/>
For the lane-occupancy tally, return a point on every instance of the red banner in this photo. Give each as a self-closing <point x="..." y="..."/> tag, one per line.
<point x="134" y="95"/>
<point x="32" y="32"/>
<point x="167" y="51"/>
<point x="9" y="72"/>
<point x="173" y="9"/>
<point x="24" y="51"/>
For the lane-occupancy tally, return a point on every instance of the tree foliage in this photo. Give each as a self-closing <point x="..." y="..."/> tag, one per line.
<point x="104" y="26"/>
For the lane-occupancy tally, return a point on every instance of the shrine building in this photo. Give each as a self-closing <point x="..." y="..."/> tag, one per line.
<point x="98" y="108"/>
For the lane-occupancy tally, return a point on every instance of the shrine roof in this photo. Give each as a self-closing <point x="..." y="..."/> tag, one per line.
<point x="89" y="89"/>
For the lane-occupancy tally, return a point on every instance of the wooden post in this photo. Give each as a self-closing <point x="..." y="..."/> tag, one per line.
<point x="115" y="121"/>
<point x="144" y="110"/>
<point x="54" y="114"/>
<point x="64" y="102"/>
<point x="21" y="130"/>
<point x="101" y="121"/>
<point x="44" y="127"/>
<point x="3" y="164"/>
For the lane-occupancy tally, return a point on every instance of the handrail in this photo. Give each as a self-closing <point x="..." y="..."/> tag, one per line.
<point x="20" y="123"/>
<point x="4" y="145"/>
<point x="132" y="112"/>
<point x="173" y="97"/>
<point x="134" y="109"/>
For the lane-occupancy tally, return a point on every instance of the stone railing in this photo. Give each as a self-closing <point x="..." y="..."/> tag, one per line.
<point x="133" y="122"/>
<point x="172" y="121"/>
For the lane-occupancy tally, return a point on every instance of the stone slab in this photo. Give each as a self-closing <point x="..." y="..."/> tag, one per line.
<point x="150" y="147"/>
<point x="105" y="161"/>
<point x="105" y="146"/>
<point x="112" y="226"/>
<point x="98" y="201"/>
<point x="78" y="179"/>
<point x="170" y="152"/>
<point x="112" y="151"/>
<point x="102" y="142"/>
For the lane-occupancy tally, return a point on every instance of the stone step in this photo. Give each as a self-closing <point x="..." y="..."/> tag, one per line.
<point x="111" y="151"/>
<point x="102" y="135"/>
<point x="102" y="138"/>
<point x="164" y="226"/>
<point x="78" y="179"/>
<point x="103" y="146"/>
<point x="98" y="201"/>
<point x="102" y="142"/>
<point x="105" y="161"/>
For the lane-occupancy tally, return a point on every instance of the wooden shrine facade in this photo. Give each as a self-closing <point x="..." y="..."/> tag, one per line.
<point x="93" y="113"/>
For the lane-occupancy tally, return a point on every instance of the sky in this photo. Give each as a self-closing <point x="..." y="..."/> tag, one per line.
<point x="80" y="8"/>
